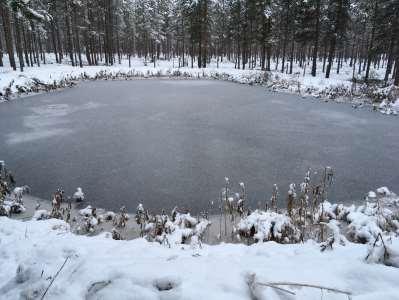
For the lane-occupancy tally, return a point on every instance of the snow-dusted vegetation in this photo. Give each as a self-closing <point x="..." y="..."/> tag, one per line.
<point x="309" y="249"/>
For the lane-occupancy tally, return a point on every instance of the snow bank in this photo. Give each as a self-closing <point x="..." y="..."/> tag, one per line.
<point x="31" y="254"/>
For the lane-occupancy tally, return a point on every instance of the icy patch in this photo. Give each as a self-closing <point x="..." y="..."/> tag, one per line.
<point x="17" y="138"/>
<point x="190" y="82"/>
<point x="342" y="118"/>
<point x="43" y="121"/>
<point x="52" y="110"/>
<point x="62" y="110"/>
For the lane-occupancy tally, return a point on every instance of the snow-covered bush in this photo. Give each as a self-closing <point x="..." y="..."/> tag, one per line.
<point x="335" y="238"/>
<point x="10" y="202"/>
<point x="87" y="211"/>
<point x="18" y="192"/>
<point x="9" y="207"/>
<point x="184" y="228"/>
<point x="363" y="224"/>
<point x="384" y="252"/>
<point x="90" y="220"/>
<point x="107" y="216"/>
<point x="179" y="228"/>
<point x="121" y="219"/>
<point x="268" y="226"/>
<point x="41" y="214"/>
<point x="78" y="196"/>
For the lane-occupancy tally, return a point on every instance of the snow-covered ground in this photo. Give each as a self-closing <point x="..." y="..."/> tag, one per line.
<point x="32" y="252"/>
<point x="45" y="258"/>
<point x="337" y="87"/>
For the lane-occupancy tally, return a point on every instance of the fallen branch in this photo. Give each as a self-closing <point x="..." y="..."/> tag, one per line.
<point x="349" y="294"/>
<point x="251" y="281"/>
<point x="52" y="280"/>
<point x="276" y="287"/>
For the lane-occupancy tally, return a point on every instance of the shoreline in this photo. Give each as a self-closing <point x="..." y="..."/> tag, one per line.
<point x="129" y="232"/>
<point x="255" y="77"/>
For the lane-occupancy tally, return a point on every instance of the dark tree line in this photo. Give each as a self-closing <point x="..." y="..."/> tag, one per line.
<point x="319" y="34"/>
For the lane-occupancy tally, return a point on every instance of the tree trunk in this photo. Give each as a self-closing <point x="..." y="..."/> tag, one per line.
<point x="316" y="39"/>
<point x="77" y="36"/>
<point x="53" y="40"/>
<point x="390" y="60"/>
<point x="292" y="55"/>
<point x="370" y="52"/>
<point x="396" y="78"/>
<point x="331" y="53"/>
<point x="8" y="35"/>
<point x="68" y="33"/>
<point x="1" y="52"/>
<point x="18" y="41"/>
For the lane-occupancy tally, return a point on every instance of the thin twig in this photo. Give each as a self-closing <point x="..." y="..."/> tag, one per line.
<point x="52" y="280"/>
<point x="276" y="287"/>
<point x="311" y="286"/>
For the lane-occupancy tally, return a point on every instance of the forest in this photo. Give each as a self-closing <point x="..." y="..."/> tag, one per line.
<point x="250" y="33"/>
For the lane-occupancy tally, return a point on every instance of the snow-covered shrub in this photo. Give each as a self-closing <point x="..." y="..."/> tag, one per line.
<point x="107" y="216"/>
<point x="384" y="191"/>
<point x="141" y="218"/>
<point x="327" y="211"/>
<point x="88" y="225"/>
<point x="41" y="214"/>
<point x="86" y="212"/>
<point x="389" y="100"/>
<point x="364" y="223"/>
<point x="121" y="219"/>
<point x="291" y="199"/>
<point x="186" y="227"/>
<point x="373" y="218"/>
<point x="18" y="192"/>
<point x="335" y="238"/>
<point x="116" y="235"/>
<point x="268" y="226"/>
<point x="179" y="228"/>
<point x="78" y="196"/>
<point x="383" y="253"/>
<point x="9" y="207"/>
<point x="387" y="108"/>
<point x="58" y="199"/>
<point x="90" y="220"/>
<point x="10" y="202"/>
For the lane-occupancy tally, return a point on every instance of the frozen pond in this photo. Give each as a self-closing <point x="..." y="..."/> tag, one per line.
<point x="166" y="143"/>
